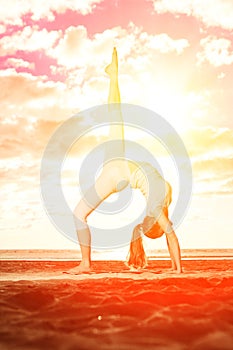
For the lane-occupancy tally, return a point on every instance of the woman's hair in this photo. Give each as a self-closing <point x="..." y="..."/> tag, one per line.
<point x="137" y="257"/>
<point x="150" y="228"/>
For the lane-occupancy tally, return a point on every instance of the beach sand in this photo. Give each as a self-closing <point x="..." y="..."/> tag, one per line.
<point x="113" y="308"/>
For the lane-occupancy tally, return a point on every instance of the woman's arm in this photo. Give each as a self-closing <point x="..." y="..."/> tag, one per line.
<point x="174" y="249"/>
<point x="171" y="255"/>
<point x="173" y="243"/>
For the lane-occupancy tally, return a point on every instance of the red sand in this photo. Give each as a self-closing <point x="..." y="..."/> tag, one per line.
<point x="114" y="309"/>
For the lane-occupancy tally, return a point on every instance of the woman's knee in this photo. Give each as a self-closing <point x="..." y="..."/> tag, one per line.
<point x="80" y="215"/>
<point x="80" y="220"/>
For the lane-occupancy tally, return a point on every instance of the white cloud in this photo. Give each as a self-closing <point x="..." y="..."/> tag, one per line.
<point x="76" y="49"/>
<point x="210" y="12"/>
<point x="56" y="70"/>
<point x="85" y="58"/>
<point x="23" y="94"/>
<point x="163" y="43"/>
<point x="221" y="75"/>
<point x="12" y="10"/>
<point x="216" y="51"/>
<point x="29" y="39"/>
<point x="81" y="60"/>
<point x="19" y="63"/>
<point x="211" y="152"/>
<point x="213" y="175"/>
<point x="2" y="29"/>
<point x="22" y="87"/>
<point x="209" y="142"/>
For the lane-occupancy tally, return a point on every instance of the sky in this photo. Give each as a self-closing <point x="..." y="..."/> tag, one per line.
<point x="175" y="58"/>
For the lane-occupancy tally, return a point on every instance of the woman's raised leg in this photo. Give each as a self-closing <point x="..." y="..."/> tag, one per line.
<point x="116" y="130"/>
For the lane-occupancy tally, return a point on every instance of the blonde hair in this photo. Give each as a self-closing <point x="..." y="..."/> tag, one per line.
<point x="150" y="228"/>
<point x="136" y="257"/>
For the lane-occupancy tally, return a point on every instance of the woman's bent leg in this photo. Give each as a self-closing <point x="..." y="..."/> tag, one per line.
<point x="90" y="201"/>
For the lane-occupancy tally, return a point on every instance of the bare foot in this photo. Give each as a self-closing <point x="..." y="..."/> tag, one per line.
<point x="172" y="271"/>
<point x="112" y="68"/>
<point x="175" y="271"/>
<point x="77" y="270"/>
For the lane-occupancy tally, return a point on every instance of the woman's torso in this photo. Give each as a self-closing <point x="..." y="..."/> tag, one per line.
<point x="139" y="175"/>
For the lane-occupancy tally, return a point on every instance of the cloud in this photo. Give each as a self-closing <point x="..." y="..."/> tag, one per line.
<point x="211" y="12"/>
<point x="85" y="58"/>
<point x="219" y="166"/>
<point x="25" y="95"/>
<point x="81" y="60"/>
<point x="29" y="39"/>
<point x="163" y="43"/>
<point x="24" y="87"/>
<point x="228" y="184"/>
<point x="211" y="153"/>
<point x="213" y="142"/>
<point x="12" y="11"/>
<point x="22" y="94"/>
<point x="76" y="49"/>
<point x="27" y="137"/>
<point x="19" y="63"/>
<point x="2" y="29"/>
<point x="216" y="51"/>
<point x="213" y="176"/>
<point x="24" y="136"/>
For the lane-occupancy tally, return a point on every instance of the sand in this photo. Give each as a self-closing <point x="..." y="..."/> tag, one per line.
<point x="113" y="308"/>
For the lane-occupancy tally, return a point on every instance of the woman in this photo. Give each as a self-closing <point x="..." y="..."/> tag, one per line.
<point x="115" y="176"/>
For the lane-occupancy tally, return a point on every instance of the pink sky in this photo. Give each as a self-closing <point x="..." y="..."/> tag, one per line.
<point x="176" y="58"/>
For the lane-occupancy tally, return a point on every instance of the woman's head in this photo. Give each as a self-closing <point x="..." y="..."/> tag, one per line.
<point x="151" y="227"/>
